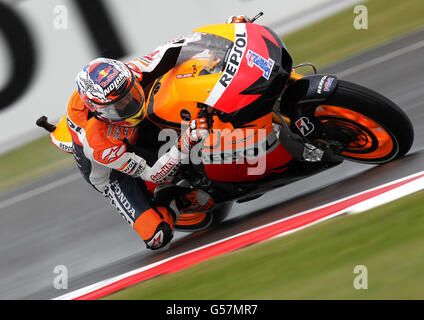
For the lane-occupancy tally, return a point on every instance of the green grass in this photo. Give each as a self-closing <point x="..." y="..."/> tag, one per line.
<point x="322" y="43"/>
<point x="33" y="160"/>
<point x="315" y="263"/>
<point x="334" y="38"/>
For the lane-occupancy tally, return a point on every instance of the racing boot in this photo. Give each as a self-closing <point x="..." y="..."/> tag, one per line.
<point x="193" y="206"/>
<point x="156" y="226"/>
<point x="197" y="215"/>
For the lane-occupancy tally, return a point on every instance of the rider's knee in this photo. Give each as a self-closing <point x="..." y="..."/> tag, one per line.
<point x="156" y="227"/>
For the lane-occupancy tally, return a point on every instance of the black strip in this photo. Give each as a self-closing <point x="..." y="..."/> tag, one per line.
<point x="153" y="117"/>
<point x="167" y="62"/>
<point x="101" y="27"/>
<point x="22" y="52"/>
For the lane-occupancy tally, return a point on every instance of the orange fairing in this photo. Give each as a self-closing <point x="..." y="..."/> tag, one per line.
<point x="227" y="67"/>
<point x="61" y="137"/>
<point x="364" y="139"/>
<point x="180" y="89"/>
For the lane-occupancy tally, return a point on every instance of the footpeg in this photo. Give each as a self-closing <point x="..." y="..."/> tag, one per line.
<point x="312" y="153"/>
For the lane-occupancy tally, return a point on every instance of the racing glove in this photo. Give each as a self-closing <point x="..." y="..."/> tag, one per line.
<point x="238" y="19"/>
<point x="196" y="131"/>
<point x="167" y="165"/>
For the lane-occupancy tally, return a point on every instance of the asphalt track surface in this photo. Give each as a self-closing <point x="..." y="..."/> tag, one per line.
<point x="61" y="220"/>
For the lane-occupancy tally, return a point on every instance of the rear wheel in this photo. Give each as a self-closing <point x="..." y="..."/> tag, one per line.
<point x="360" y="125"/>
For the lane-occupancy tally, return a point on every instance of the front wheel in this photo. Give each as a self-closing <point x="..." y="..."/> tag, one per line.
<point x="359" y="124"/>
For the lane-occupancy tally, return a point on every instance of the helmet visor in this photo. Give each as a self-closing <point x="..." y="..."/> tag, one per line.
<point x="125" y="107"/>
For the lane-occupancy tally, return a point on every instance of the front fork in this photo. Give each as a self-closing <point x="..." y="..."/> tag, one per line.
<point x="295" y="127"/>
<point x="277" y="117"/>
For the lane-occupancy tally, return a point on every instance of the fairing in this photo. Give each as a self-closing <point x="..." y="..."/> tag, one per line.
<point x="238" y="69"/>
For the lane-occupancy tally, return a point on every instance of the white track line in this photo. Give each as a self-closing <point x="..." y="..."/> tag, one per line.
<point x="39" y="190"/>
<point x="381" y="59"/>
<point x="380" y="199"/>
<point x="389" y="196"/>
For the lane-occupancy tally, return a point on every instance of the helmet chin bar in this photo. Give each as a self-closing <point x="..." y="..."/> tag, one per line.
<point x="122" y="123"/>
<point x="99" y="117"/>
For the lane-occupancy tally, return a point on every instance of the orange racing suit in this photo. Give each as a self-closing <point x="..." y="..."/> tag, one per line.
<point x="108" y="159"/>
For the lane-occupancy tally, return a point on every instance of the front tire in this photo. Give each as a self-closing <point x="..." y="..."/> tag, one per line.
<point x="361" y="124"/>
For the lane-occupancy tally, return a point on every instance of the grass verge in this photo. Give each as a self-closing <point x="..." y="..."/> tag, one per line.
<point x="322" y="43"/>
<point x="335" y="37"/>
<point x="316" y="263"/>
<point x="31" y="161"/>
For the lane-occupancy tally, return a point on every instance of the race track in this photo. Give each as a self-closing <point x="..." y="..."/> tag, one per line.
<point x="61" y="220"/>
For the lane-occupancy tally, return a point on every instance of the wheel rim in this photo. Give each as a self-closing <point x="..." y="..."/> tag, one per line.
<point x="372" y="141"/>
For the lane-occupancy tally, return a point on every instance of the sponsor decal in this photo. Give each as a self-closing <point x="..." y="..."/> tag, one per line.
<point x="234" y="59"/>
<point x="325" y="84"/>
<point x="168" y="168"/>
<point x="73" y="126"/>
<point x="109" y="130"/>
<point x="152" y="55"/>
<point x="254" y="59"/>
<point x="147" y="59"/>
<point x="139" y="170"/>
<point x="121" y="203"/>
<point x="157" y="240"/>
<point x="111" y="154"/>
<point x="328" y="84"/>
<point x="321" y="84"/>
<point x="66" y="147"/>
<point x="116" y="84"/>
<point x="134" y="69"/>
<point x="130" y="166"/>
<point x="117" y="132"/>
<point x="106" y="76"/>
<point x="125" y="131"/>
<point x="305" y="126"/>
<point x="183" y="76"/>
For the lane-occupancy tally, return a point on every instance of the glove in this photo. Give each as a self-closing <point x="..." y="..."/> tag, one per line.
<point x="196" y="131"/>
<point x="238" y="19"/>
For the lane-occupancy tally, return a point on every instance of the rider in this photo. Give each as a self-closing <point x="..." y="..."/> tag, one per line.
<point x="106" y="118"/>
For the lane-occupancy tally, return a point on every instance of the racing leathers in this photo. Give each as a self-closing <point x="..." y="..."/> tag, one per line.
<point x="109" y="160"/>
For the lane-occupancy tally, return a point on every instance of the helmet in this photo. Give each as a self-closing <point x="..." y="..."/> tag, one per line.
<point x="110" y="90"/>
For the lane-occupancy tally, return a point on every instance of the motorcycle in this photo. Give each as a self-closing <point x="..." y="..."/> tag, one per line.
<point x="270" y="125"/>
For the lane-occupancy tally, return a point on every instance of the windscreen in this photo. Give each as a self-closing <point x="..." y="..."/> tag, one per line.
<point x="209" y="47"/>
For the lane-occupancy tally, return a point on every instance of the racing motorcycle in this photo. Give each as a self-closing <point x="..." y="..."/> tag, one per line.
<point x="270" y="125"/>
